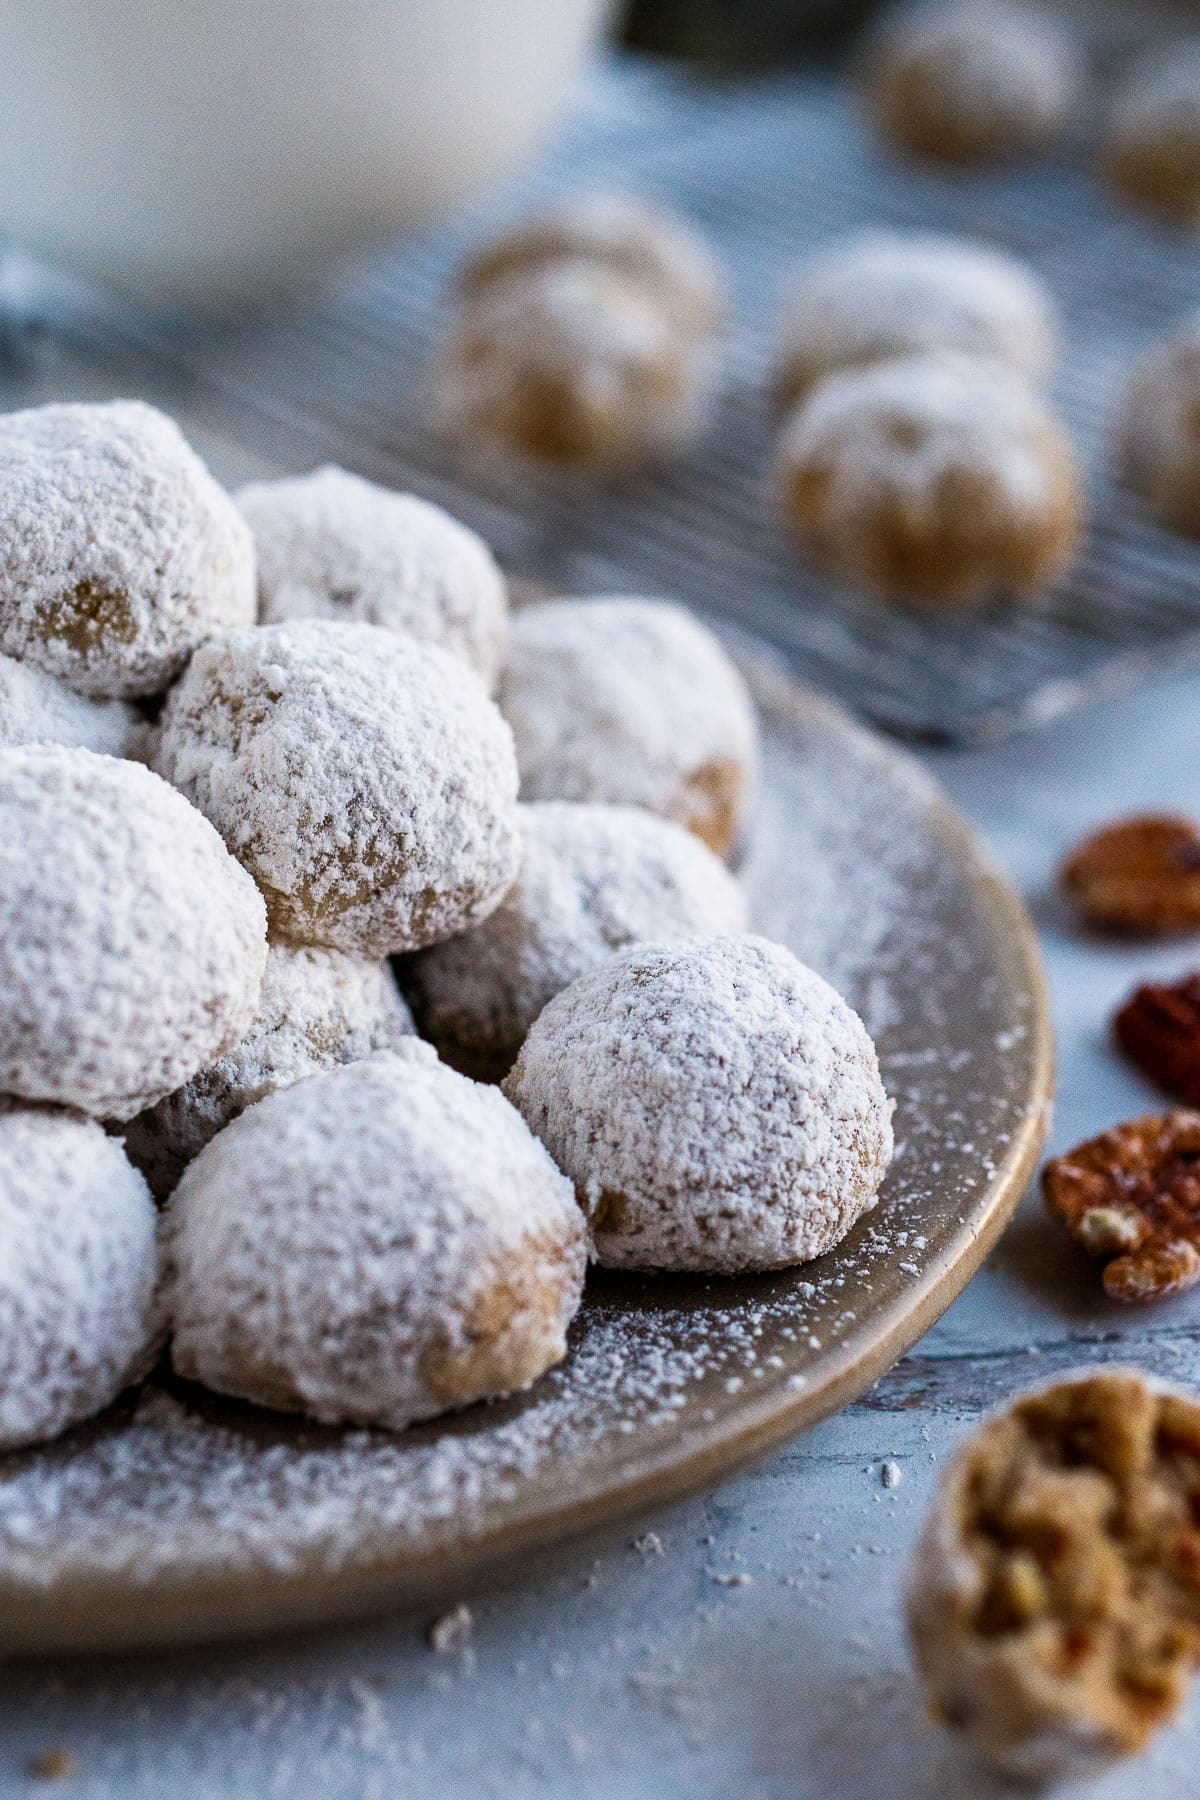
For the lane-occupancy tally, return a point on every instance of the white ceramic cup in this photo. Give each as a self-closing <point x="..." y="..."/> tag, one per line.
<point x="194" y="147"/>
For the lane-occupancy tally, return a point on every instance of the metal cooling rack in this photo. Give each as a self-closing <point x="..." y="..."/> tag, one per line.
<point x="771" y="169"/>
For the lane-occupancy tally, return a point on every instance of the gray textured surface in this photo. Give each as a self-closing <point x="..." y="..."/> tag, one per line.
<point x="626" y="1672"/>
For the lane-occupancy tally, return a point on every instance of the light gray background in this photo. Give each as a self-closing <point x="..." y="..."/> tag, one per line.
<point x="751" y="1647"/>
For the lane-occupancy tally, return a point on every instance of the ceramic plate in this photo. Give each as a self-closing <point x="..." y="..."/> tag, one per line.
<point x="177" y="1517"/>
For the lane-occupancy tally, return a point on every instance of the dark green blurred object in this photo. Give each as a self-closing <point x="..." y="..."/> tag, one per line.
<point x="744" y="33"/>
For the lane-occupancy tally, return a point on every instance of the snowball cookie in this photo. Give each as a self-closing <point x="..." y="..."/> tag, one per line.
<point x="717" y="1105"/>
<point x="632" y="702"/>
<point x="79" y="1312"/>
<point x="118" y="551"/>
<point x="1152" y="154"/>
<point x="365" y="780"/>
<point x="884" y="294"/>
<point x="970" y="81"/>
<point x="131" y="943"/>
<point x="333" y="546"/>
<point x="317" y="1008"/>
<point x="647" y="243"/>
<point x="593" y="880"/>
<point x="36" y="709"/>
<point x="1160" y="429"/>
<point x="1052" y="1597"/>
<point x="941" y="480"/>
<point x="377" y="1244"/>
<point x="574" y="362"/>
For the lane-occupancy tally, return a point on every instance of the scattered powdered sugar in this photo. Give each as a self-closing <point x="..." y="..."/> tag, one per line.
<point x="917" y="427"/>
<point x="853" y="865"/>
<point x="1014" y="70"/>
<point x="648" y="244"/>
<point x="118" y="551"/>
<point x="884" y="294"/>
<point x="365" y="780"/>
<point x="35" y="709"/>
<point x="632" y="702"/>
<point x="131" y="943"/>
<point x="378" y="1244"/>
<point x="79" y="1311"/>
<point x="573" y="361"/>
<point x="717" y="1105"/>
<point x="331" y="545"/>
<point x="317" y="1008"/>
<point x="594" y="879"/>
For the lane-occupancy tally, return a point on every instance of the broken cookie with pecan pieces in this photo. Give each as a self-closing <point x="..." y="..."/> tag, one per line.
<point x="1140" y="876"/>
<point x="1131" y="1197"/>
<point x="1054" y="1594"/>
<point x="1158" y="1028"/>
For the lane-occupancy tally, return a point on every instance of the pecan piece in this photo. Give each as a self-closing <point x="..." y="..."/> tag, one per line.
<point x="1158" y="1028"/>
<point x="1141" y="875"/>
<point x="1131" y="1197"/>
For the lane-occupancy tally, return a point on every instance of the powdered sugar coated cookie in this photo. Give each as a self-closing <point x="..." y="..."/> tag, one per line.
<point x="1160" y="428"/>
<point x="331" y="545"/>
<point x="365" y="780"/>
<point x="717" y="1105"/>
<point x="938" y="479"/>
<point x="377" y="1244"/>
<point x="118" y="551"/>
<point x="1152" y="152"/>
<point x="635" y="703"/>
<point x="318" y="1008"/>
<point x="79" y="1309"/>
<point x="884" y="294"/>
<point x="131" y="943"/>
<point x="971" y="80"/>
<point x="573" y="362"/>
<point x="593" y="880"/>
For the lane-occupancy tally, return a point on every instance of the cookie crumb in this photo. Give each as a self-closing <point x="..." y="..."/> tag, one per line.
<point x="891" y="1474"/>
<point x="649" y="1544"/>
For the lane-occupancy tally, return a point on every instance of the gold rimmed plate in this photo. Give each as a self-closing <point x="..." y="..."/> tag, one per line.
<point x="178" y="1517"/>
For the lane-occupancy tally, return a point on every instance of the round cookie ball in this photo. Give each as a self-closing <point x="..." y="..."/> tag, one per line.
<point x="365" y="780"/>
<point x="118" y="551"/>
<point x="573" y="362"/>
<point x="884" y="294"/>
<point x="318" y="1008"/>
<point x="969" y="81"/>
<point x="635" y="703"/>
<point x="1160" y="429"/>
<point x="79" y="1266"/>
<point x="939" y="480"/>
<point x="375" y="1245"/>
<point x="37" y="709"/>
<point x="331" y="545"/>
<point x="594" y="879"/>
<point x="651" y="246"/>
<point x="131" y="943"/>
<point x="1152" y="152"/>
<point x="717" y="1105"/>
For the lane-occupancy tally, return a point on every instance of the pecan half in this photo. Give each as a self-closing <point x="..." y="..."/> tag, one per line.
<point x="1158" y="1028"/>
<point x="1131" y="1197"/>
<point x="1141" y="875"/>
